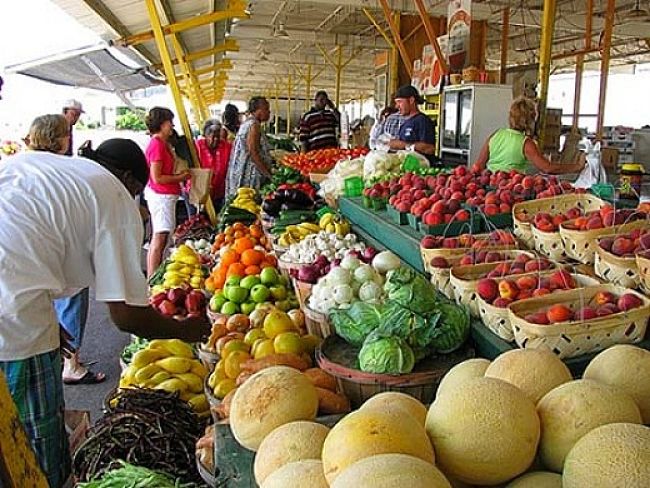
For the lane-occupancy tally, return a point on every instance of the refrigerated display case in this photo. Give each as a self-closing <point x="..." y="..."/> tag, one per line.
<point x="471" y="113"/>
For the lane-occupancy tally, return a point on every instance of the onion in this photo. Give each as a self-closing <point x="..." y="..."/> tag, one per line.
<point x="368" y="254"/>
<point x="309" y="273"/>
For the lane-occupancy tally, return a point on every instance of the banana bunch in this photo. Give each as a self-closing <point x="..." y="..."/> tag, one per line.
<point x="296" y="233"/>
<point x="245" y="200"/>
<point x="334" y="224"/>
<point x="169" y="365"/>
<point x="184" y="267"/>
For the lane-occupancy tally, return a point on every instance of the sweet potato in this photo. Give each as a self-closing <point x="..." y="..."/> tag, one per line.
<point x="291" y="360"/>
<point x="321" y="379"/>
<point x="330" y="403"/>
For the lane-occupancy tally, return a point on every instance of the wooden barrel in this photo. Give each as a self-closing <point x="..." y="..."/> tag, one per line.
<point x="317" y="323"/>
<point x="338" y="358"/>
<point x="303" y="290"/>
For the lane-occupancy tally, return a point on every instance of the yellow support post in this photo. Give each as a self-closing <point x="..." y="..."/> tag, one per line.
<point x="580" y="64"/>
<point x="192" y="89"/>
<point x="170" y="74"/>
<point x="289" y="90"/>
<point x="339" y="69"/>
<point x="604" y="66"/>
<point x="548" y="26"/>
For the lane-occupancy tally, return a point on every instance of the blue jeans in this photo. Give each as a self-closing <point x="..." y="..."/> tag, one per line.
<point x="72" y="313"/>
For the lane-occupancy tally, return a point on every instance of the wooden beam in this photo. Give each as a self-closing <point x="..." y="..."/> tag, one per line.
<point x="431" y="34"/>
<point x="406" y="59"/>
<point x="545" y="49"/>
<point x="604" y="66"/>
<point x="505" y="31"/>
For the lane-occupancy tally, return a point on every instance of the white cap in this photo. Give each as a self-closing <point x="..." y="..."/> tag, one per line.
<point x="73" y="104"/>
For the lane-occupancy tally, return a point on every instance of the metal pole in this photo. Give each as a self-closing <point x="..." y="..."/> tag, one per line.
<point x="339" y="71"/>
<point x="580" y="64"/>
<point x="548" y="26"/>
<point x="289" y="107"/>
<point x="604" y="66"/>
<point x="170" y="74"/>
<point x="505" y="33"/>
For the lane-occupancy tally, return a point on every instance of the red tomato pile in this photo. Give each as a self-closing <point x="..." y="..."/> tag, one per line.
<point x="321" y="160"/>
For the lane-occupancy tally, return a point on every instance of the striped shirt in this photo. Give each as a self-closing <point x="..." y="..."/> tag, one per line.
<point x="318" y="129"/>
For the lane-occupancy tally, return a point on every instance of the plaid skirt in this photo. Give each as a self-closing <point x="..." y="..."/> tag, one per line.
<point x="37" y="390"/>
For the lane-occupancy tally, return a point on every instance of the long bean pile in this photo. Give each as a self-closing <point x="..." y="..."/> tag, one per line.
<point x="129" y="476"/>
<point x="148" y="428"/>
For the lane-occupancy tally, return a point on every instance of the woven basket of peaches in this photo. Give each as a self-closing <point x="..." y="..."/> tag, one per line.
<point x="580" y="321"/>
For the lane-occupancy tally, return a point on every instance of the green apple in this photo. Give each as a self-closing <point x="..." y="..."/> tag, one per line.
<point x="247" y="307"/>
<point x="283" y="281"/>
<point x="269" y="276"/>
<point x="233" y="280"/>
<point x="260" y="293"/>
<point x="250" y="281"/>
<point x="237" y="294"/>
<point x="217" y="301"/>
<point x="264" y="306"/>
<point x="293" y="302"/>
<point x="229" y="308"/>
<point x="283" y="305"/>
<point x="279" y="292"/>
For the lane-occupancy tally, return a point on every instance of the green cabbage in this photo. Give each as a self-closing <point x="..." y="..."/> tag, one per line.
<point x="386" y="355"/>
<point x="418" y="330"/>
<point x="453" y="329"/>
<point x="355" y="323"/>
<point x="411" y="290"/>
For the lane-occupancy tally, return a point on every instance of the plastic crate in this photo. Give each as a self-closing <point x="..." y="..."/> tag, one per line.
<point x="414" y="222"/>
<point x="400" y="218"/>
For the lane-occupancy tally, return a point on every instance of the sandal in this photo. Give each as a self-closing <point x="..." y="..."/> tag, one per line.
<point x="89" y="378"/>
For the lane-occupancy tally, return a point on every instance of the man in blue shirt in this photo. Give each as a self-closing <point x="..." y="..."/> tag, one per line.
<point x="417" y="132"/>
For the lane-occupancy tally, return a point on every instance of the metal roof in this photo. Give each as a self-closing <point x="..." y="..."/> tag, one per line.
<point x="98" y="67"/>
<point x="279" y="34"/>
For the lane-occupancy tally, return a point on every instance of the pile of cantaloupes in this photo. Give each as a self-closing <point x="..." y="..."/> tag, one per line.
<point x="520" y="421"/>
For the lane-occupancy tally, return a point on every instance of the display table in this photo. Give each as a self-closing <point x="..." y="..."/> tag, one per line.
<point x="379" y="231"/>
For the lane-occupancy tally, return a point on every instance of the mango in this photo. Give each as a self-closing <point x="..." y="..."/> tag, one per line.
<point x="175" y="365"/>
<point x="193" y="382"/>
<point x="172" y="385"/>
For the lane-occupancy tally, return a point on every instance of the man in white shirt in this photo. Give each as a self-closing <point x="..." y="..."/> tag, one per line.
<point x="65" y="224"/>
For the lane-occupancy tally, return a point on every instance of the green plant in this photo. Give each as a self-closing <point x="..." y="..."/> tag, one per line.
<point x="129" y="120"/>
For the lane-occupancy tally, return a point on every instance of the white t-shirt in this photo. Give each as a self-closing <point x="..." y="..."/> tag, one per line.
<point x="65" y="223"/>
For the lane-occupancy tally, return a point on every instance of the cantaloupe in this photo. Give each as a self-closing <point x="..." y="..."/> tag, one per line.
<point x="368" y="432"/>
<point x="533" y="371"/>
<point x="537" y="479"/>
<point x="391" y="399"/>
<point x="295" y="441"/>
<point x="610" y="456"/>
<point x="391" y="471"/>
<point x="484" y="432"/>
<point x="299" y="474"/>
<point x="628" y="368"/>
<point x="573" y="409"/>
<point x="268" y="399"/>
<point x="467" y="370"/>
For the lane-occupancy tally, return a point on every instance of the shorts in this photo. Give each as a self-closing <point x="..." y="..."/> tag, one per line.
<point x="162" y="209"/>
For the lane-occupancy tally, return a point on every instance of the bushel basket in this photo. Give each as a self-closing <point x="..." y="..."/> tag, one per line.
<point x="617" y="270"/>
<point x="497" y="319"/>
<point x="571" y="339"/>
<point x="581" y="245"/>
<point x="643" y="265"/>
<point x="560" y="204"/>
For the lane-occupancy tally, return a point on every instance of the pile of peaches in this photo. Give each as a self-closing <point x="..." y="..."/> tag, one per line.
<point x="576" y="219"/>
<point x="503" y="293"/>
<point x="602" y="304"/>
<point x="495" y="238"/>
<point x="627" y="245"/>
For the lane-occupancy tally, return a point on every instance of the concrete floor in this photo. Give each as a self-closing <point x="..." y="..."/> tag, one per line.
<point x="103" y="342"/>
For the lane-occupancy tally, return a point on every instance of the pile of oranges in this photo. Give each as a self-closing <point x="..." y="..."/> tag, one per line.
<point x="240" y="258"/>
<point x="237" y="231"/>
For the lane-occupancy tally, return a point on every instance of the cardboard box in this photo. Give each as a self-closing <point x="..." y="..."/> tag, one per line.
<point x="609" y="157"/>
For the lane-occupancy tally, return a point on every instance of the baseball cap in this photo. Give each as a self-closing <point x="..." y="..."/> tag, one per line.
<point x="408" y="91"/>
<point x="73" y="104"/>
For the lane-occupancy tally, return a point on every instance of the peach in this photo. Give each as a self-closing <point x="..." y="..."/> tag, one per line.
<point x="502" y="302"/>
<point x="586" y="313"/>
<point x="562" y="280"/>
<point x="522" y="258"/>
<point x="539" y="318"/>
<point x="540" y="292"/>
<point x="573" y="213"/>
<point x="629" y="301"/>
<point x="535" y="265"/>
<point x="526" y="282"/>
<point x="508" y="289"/>
<point x="523" y="294"/>
<point x="594" y="223"/>
<point x="622" y="246"/>
<point x="487" y="289"/>
<point x="607" y="309"/>
<point x="603" y="298"/>
<point x="466" y="259"/>
<point x="450" y="243"/>
<point x="559" y="313"/>
<point x="606" y="243"/>
<point x="492" y="257"/>
<point x="430" y="242"/>
<point x="439" y="262"/>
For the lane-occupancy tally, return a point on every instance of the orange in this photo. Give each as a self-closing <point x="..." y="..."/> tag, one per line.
<point x="238" y="226"/>
<point x="256" y="231"/>
<point x="253" y="269"/>
<point x="238" y="234"/>
<point x="237" y="269"/>
<point x="252" y="256"/>
<point x="242" y="244"/>
<point x="229" y="257"/>
<point x="269" y="261"/>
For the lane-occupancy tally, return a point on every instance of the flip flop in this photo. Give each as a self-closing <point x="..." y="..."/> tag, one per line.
<point x="89" y="378"/>
<point x="89" y="363"/>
